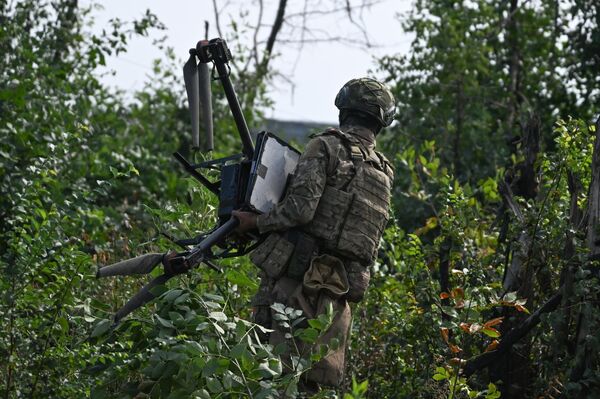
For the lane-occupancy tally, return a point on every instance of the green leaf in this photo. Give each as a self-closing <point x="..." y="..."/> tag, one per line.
<point x="164" y="322"/>
<point x="308" y="335"/>
<point x="101" y="327"/>
<point x="291" y="390"/>
<point x="236" y="277"/>
<point x="214" y="385"/>
<point x="218" y="316"/>
<point x="238" y="351"/>
<point x="278" y="307"/>
<point x="266" y="371"/>
<point x="490" y="332"/>
<point x="64" y="324"/>
<point x="281" y="348"/>
<point x="181" y="299"/>
<point x="316" y="323"/>
<point x="171" y="295"/>
<point x="174" y="316"/>
<point x="158" y="290"/>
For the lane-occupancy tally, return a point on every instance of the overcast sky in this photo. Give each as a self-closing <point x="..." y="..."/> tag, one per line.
<point x="320" y="69"/>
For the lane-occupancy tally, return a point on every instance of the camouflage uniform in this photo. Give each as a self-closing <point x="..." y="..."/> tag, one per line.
<point x="337" y="249"/>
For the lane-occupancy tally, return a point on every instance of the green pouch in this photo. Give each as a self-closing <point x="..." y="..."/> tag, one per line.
<point x="273" y="255"/>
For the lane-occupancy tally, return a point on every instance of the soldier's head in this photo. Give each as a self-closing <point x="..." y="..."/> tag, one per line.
<point x="366" y="102"/>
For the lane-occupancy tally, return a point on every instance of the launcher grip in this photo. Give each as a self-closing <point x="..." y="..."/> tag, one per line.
<point x="197" y="254"/>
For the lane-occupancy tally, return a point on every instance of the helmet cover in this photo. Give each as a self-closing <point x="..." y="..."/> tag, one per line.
<point x="369" y="96"/>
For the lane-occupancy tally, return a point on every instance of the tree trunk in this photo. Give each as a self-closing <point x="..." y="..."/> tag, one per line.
<point x="514" y="368"/>
<point x="460" y="117"/>
<point x="511" y="338"/>
<point x="513" y="71"/>
<point x="586" y="358"/>
<point x="562" y="324"/>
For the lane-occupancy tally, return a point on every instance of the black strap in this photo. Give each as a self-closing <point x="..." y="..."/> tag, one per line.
<point x="305" y="247"/>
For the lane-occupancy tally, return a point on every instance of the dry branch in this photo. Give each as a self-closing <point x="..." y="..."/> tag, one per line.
<point x="514" y="335"/>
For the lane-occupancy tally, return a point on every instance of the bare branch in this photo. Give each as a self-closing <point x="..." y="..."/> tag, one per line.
<point x="339" y="39"/>
<point x="360" y="27"/>
<point x="258" y="26"/>
<point x="514" y="335"/>
<point x="302" y="37"/>
<point x="320" y="12"/>
<point x="274" y="32"/>
<point x="217" y="18"/>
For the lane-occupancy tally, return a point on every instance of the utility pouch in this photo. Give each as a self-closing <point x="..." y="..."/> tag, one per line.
<point x="304" y="249"/>
<point x="273" y="255"/>
<point x="326" y="273"/>
<point x="358" y="281"/>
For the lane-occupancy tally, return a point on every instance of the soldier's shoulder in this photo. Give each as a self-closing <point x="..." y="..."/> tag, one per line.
<point x="333" y="136"/>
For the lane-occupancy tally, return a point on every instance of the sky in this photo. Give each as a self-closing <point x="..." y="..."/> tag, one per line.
<point x="317" y="71"/>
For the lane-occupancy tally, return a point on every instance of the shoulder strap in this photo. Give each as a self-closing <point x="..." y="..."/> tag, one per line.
<point x="356" y="152"/>
<point x="337" y="132"/>
<point x="388" y="168"/>
<point x="349" y="142"/>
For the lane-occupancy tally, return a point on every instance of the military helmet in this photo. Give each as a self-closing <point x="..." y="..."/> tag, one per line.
<point x="369" y="96"/>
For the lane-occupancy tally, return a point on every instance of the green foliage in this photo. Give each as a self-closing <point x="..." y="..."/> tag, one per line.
<point x="478" y="70"/>
<point x="86" y="179"/>
<point x="55" y="172"/>
<point x="411" y="336"/>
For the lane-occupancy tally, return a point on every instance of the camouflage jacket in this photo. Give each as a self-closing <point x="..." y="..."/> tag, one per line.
<point x="325" y="161"/>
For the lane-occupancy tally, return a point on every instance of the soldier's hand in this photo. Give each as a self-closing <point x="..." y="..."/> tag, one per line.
<point x="247" y="221"/>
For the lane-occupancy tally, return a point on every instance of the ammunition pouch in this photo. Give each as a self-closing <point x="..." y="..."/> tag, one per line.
<point x="305" y="247"/>
<point x="285" y="254"/>
<point x="358" y="281"/>
<point x="273" y="255"/>
<point x="348" y="225"/>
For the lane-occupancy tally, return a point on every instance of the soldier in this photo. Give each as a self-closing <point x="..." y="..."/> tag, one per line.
<point x="324" y="234"/>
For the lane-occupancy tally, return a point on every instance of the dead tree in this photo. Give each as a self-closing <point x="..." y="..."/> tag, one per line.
<point x="513" y="367"/>
<point x="562" y="325"/>
<point x="586" y="358"/>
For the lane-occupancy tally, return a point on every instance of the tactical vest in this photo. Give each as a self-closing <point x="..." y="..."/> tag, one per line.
<point x="350" y="220"/>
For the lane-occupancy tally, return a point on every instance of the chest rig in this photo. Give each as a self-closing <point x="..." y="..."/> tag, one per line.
<point x="350" y="219"/>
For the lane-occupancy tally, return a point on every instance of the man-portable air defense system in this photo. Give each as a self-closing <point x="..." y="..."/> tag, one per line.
<point x="254" y="180"/>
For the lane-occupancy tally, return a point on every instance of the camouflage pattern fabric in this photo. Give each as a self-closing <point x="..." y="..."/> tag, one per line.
<point x="325" y="173"/>
<point x="369" y="96"/>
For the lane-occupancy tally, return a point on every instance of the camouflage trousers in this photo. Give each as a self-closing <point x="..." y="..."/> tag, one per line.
<point x="325" y="284"/>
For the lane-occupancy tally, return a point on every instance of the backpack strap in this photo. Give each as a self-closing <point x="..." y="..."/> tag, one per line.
<point x="357" y="153"/>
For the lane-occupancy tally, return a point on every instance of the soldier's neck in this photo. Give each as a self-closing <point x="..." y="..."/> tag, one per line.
<point x="360" y="131"/>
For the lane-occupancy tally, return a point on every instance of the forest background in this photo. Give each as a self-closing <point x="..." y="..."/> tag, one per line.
<point x="487" y="279"/>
